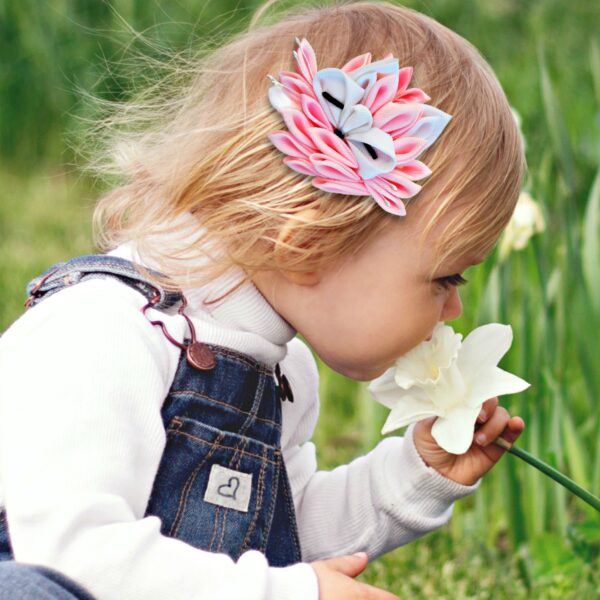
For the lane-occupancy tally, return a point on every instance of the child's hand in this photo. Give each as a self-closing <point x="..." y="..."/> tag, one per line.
<point x="480" y="458"/>
<point x="336" y="579"/>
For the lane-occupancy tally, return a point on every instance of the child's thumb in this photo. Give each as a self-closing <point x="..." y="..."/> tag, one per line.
<point x="350" y="565"/>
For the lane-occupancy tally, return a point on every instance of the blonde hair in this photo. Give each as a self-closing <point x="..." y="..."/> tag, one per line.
<point x="204" y="150"/>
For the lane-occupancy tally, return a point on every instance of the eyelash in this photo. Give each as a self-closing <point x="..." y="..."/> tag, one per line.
<point x="456" y="279"/>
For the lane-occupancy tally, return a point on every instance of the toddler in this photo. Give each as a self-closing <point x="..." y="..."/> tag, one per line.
<point x="156" y="408"/>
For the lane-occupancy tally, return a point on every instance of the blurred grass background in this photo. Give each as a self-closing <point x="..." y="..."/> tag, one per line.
<point x="520" y="535"/>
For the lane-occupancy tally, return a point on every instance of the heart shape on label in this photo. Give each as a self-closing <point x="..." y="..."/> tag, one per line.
<point x="229" y="489"/>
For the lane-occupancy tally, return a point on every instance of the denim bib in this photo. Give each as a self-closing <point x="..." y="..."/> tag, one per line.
<point x="222" y="485"/>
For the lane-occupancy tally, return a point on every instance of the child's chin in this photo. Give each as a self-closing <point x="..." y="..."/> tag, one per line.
<point x="360" y="373"/>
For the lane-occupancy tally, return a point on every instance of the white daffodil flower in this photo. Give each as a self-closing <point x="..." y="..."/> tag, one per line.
<point x="448" y="379"/>
<point x="527" y="220"/>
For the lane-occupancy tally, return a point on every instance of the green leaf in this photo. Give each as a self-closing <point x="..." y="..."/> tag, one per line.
<point x="585" y="538"/>
<point x="590" y="250"/>
<point x="556" y="124"/>
<point x="552" y="556"/>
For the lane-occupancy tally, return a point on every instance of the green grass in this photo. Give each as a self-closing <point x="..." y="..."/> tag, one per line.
<point x="43" y="220"/>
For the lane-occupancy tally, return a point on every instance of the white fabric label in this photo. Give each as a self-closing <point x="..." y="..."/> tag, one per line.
<point x="229" y="488"/>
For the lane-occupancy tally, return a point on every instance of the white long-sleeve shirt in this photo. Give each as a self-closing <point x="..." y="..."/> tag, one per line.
<point x="83" y="376"/>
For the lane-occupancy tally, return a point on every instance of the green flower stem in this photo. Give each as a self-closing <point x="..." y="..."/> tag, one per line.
<point x="551" y="472"/>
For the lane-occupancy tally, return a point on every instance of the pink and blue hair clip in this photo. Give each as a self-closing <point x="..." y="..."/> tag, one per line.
<point x="357" y="130"/>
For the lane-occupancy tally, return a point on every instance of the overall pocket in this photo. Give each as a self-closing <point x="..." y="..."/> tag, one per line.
<point x="214" y="489"/>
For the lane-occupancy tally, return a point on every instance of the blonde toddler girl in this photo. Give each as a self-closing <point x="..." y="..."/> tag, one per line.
<point x="156" y="408"/>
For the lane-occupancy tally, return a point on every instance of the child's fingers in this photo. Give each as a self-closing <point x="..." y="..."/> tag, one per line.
<point x="487" y="409"/>
<point x="493" y="427"/>
<point x="374" y="593"/>
<point x="350" y="565"/>
<point x="514" y="429"/>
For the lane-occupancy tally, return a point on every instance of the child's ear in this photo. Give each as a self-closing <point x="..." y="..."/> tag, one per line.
<point x="285" y="239"/>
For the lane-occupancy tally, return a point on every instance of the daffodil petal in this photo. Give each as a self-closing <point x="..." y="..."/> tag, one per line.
<point x="423" y="363"/>
<point x="483" y="348"/>
<point x="410" y="410"/>
<point x="384" y="389"/>
<point x="494" y="382"/>
<point x="454" y="431"/>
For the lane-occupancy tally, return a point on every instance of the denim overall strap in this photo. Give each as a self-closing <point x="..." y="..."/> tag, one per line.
<point x="222" y="484"/>
<point x="81" y="268"/>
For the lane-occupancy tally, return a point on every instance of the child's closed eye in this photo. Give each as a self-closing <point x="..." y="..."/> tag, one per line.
<point x="449" y="280"/>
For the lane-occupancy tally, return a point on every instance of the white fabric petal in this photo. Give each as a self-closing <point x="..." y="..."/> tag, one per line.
<point x="483" y="348"/>
<point x="382" y="143"/>
<point x="343" y="88"/>
<point x="454" y="431"/>
<point x="279" y="99"/>
<point x="366" y="76"/>
<point x="430" y="126"/>
<point x="359" y="119"/>
<point x="494" y="382"/>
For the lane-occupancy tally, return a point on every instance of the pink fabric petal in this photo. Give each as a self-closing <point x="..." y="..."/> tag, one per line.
<point x="408" y="148"/>
<point x="312" y="109"/>
<point x="404" y="76"/>
<point x="331" y="145"/>
<point x="296" y="83"/>
<point x="396" y="119"/>
<point x="306" y="61"/>
<point x="404" y="187"/>
<point x="358" y="61"/>
<point x="412" y="95"/>
<point x="354" y="188"/>
<point x="331" y="169"/>
<point x="414" y="170"/>
<point x="301" y="165"/>
<point x="385" y="197"/>
<point x="381" y="93"/>
<point x="286" y="143"/>
<point x="298" y="126"/>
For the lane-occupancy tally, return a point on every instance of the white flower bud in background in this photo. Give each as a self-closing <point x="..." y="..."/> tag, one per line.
<point x="527" y="220"/>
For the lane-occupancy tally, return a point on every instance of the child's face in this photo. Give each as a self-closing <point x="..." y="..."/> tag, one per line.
<point x="374" y="306"/>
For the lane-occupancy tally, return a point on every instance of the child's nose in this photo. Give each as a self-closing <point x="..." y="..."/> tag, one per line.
<point x="453" y="306"/>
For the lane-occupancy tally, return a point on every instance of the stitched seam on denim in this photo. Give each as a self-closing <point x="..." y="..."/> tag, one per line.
<point x="245" y="452"/>
<point x="176" y="423"/>
<point x="258" y="399"/>
<point x="221" y="403"/>
<point x="291" y="512"/>
<point x="269" y="522"/>
<point x="214" y="533"/>
<point x="259" y="501"/>
<point x="83" y="270"/>
<point x="91" y="267"/>
<point x="76" y="266"/>
<point x="242" y="358"/>
<point x="141" y="286"/>
<point x="235" y="465"/>
<point x="188" y="484"/>
<point x="232" y="464"/>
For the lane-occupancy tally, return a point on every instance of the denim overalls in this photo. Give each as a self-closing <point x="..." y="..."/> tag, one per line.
<point x="222" y="485"/>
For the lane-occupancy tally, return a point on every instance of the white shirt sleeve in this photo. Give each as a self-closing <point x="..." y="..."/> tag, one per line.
<point x="376" y="503"/>
<point x="82" y="380"/>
